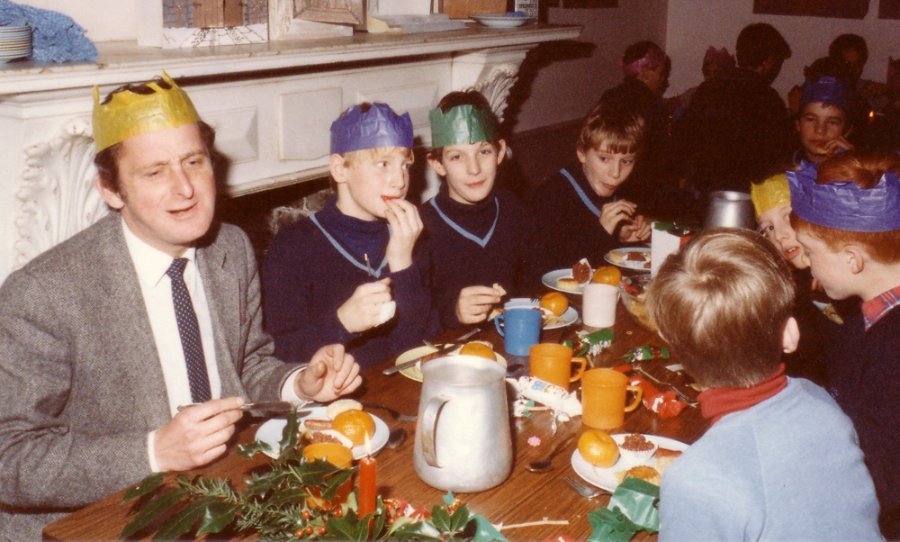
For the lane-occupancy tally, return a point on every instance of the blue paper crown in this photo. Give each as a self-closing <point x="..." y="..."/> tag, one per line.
<point x="356" y="130"/>
<point x="828" y="90"/>
<point x="843" y="205"/>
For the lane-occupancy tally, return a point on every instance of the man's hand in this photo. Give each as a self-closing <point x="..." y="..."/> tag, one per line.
<point x="363" y="310"/>
<point x="406" y="225"/>
<point x="636" y="230"/>
<point x="474" y="303"/>
<point x="197" y="434"/>
<point x="330" y="374"/>
<point x="615" y="212"/>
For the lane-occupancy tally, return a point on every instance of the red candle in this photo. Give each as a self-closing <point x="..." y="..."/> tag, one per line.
<point x="367" y="485"/>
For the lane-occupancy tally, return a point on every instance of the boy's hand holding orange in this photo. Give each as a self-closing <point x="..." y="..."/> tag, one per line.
<point x="406" y="226"/>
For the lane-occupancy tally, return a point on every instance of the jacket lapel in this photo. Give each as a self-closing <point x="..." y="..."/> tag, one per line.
<point x="123" y="292"/>
<point x="223" y="287"/>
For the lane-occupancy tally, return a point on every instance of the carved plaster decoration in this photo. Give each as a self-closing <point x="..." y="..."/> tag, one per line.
<point x="496" y="86"/>
<point x="56" y="195"/>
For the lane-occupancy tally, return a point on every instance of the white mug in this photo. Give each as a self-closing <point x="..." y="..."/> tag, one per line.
<point x="599" y="305"/>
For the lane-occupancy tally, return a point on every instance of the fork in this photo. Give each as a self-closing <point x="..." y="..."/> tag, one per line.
<point x="585" y="491"/>
<point x="396" y="416"/>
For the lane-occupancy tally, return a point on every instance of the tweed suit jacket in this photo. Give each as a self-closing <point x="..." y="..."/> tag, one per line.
<point x="80" y="379"/>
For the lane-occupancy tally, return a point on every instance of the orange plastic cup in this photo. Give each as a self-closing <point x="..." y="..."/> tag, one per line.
<point x="553" y="363"/>
<point x="339" y="456"/>
<point x="603" y="398"/>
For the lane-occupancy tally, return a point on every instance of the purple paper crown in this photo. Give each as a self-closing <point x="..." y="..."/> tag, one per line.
<point x="843" y="205"/>
<point x="356" y="129"/>
<point x="828" y="90"/>
<point x="652" y="59"/>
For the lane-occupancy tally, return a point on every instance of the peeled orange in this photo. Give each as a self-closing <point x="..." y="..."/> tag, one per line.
<point x="480" y="349"/>
<point x="336" y="454"/>
<point x="607" y="274"/>
<point x="555" y="302"/>
<point x="598" y="448"/>
<point x="356" y="425"/>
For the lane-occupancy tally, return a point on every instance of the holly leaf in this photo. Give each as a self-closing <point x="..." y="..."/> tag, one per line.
<point x="485" y="531"/>
<point x="459" y="519"/>
<point x="289" y="434"/>
<point x="249" y="450"/>
<point x="216" y="517"/>
<point x="182" y="522"/>
<point x="155" y="508"/>
<point x="440" y="518"/>
<point x="145" y="486"/>
<point x="348" y="528"/>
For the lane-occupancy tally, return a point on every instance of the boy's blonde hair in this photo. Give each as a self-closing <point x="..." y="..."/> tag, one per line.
<point x="865" y="168"/>
<point x="610" y="124"/>
<point x="722" y="303"/>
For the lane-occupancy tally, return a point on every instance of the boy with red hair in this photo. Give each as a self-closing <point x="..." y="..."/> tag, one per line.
<point x="847" y="219"/>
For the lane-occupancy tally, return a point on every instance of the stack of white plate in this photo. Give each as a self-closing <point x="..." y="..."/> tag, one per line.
<point x="15" y="42"/>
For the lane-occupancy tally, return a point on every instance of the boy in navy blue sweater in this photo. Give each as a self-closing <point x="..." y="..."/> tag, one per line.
<point x="576" y="212"/>
<point x="475" y="234"/>
<point x="341" y="275"/>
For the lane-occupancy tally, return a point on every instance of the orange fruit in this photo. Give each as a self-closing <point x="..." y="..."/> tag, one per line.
<point x="356" y="425"/>
<point x="336" y="454"/>
<point x="555" y="302"/>
<point x="478" y="348"/>
<point x="598" y="448"/>
<point x="607" y="274"/>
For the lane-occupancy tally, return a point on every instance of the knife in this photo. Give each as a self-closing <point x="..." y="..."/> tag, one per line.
<point x="440" y="352"/>
<point x="265" y="408"/>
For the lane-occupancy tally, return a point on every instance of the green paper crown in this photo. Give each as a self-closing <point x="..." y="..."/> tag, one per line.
<point x="464" y="124"/>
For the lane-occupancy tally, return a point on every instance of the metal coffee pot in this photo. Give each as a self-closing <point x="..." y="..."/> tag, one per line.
<point x="463" y="436"/>
<point x="729" y="209"/>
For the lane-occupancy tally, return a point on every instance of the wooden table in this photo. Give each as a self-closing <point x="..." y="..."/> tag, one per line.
<point x="523" y="497"/>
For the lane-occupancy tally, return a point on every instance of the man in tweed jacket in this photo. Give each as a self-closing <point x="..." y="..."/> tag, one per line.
<point x="90" y="381"/>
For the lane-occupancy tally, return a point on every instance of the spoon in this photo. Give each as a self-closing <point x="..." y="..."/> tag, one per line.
<point x="545" y="464"/>
<point x="396" y="437"/>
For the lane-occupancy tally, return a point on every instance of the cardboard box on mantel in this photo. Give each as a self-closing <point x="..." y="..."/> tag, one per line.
<point x="463" y="9"/>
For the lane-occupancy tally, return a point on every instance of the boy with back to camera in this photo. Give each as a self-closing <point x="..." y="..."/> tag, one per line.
<point x="475" y="233"/>
<point x="341" y="275"/>
<point x="778" y="446"/>
<point x="576" y="212"/>
<point x="847" y="219"/>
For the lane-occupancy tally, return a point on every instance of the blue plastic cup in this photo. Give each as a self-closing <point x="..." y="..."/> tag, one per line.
<point x="520" y="329"/>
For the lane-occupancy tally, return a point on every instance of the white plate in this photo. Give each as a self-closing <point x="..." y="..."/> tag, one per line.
<point x="606" y="478"/>
<point x="618" y="257"/>
<point x="550" y="277"/>
<point x="270" y="433"/>
<point x="569" y="317"/>
<point x="501" y="21"/>
<point x="415" y="372"/>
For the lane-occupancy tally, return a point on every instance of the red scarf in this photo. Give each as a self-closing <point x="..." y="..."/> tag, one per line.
<point x="718" y="402"/>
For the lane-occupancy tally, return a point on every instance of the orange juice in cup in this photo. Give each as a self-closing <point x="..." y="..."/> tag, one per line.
<point x="603" y="398"/>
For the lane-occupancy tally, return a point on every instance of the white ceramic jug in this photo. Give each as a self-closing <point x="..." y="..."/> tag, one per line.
<point x="463" y="438"/>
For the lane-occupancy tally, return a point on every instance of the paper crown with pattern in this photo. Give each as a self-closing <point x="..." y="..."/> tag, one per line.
<point x="828" y="90"/>
<point x="462" y="125"/>
<point x="771" y="193"/>
<point x="652" y="59"/>
<point x="843" y="205"/>
<point x="377" y="126"/>
<point x="129" y="113"/>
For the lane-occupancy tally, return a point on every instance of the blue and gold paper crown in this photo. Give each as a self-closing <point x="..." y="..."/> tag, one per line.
<point x="356" y="129"/>
<point x="462" y="125"/>
<point x="843" y="205"/>
<point x="131" y="113"/>
<point x="828" y="90"/>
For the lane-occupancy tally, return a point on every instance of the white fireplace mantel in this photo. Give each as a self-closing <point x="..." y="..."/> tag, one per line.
<point x="271" y="105"/>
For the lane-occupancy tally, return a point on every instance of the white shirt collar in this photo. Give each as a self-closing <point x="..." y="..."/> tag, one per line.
<point x="150" y="263"/>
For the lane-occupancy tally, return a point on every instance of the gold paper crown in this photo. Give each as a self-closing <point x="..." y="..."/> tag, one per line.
<point x="131" y="113"/>
<point x="770" y="193"/>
